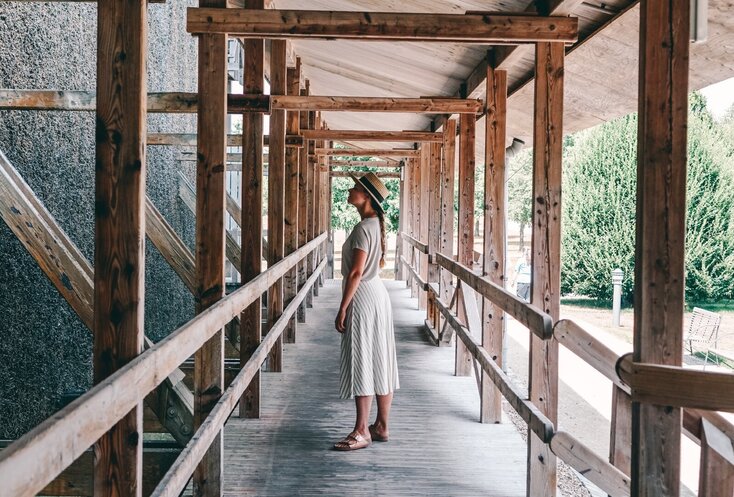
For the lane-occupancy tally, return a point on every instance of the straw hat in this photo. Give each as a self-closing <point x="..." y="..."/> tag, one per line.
<point x="374" y="186"/>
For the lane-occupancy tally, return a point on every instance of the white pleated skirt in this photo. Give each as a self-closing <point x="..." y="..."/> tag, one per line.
<point x="369" y="364"/>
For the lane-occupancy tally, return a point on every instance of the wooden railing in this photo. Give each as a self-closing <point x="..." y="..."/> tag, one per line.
<point x="665" y="385"/>
<point x="35" y="459"/>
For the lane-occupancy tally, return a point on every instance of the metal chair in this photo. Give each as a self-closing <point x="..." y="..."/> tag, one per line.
<point x="703" y="329"/>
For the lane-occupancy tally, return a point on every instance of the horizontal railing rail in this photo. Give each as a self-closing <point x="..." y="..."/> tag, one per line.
<point x="422" y="247"/>
<point x="36" y="458"/>
<point x="421" y="282"/>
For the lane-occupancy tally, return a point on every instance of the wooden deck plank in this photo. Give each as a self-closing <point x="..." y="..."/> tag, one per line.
<point x="435" y="424"/>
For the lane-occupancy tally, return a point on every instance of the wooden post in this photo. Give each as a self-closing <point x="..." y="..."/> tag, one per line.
<point x="304" y="172"/>
<point x="276" y="193"/>
<point x="317" y="199"/>
<point x="495" y="211"/>
<point x="313" y="169"/>
<point x="620" y="433"/>
<point x="119" y="242"/>
<point x="659" y="245"/>
<point x="448" y="175"/>
<point x="423" y="220"/>
<point x="546" y="253"/>
<point x="467" y="125"/>
<point x="251" y="218"/>
<point x="433" y="237"/>
<point x="401" y="227"/>
<point x="329" y="269"/>
<point x="716" y="476"/>
<point x="290" y="234"/>
<point x="415" y="185"/>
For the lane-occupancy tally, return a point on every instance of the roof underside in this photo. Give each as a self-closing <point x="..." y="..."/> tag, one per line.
<point x="601" y="69"/>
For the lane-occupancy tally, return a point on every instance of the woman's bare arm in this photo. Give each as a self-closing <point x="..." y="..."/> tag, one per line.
<point x="359" y="259"/>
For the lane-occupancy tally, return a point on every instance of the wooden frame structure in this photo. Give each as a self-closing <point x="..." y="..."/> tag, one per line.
<point x="299" y="186"/>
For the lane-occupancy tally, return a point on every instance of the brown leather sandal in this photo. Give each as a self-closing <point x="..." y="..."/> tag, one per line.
<point x="376" y="436"/>
<point x="353" y="441"/>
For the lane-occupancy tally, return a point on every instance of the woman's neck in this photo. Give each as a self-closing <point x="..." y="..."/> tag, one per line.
<point x="366" y="212"/>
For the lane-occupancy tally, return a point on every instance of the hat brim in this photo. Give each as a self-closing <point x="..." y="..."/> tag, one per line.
<point x="358" y="179"/>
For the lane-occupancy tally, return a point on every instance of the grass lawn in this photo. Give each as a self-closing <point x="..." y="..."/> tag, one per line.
<point x="600" y="316"/>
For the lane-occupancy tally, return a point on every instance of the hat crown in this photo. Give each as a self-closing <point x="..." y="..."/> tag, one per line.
<point x="377" y="185"/>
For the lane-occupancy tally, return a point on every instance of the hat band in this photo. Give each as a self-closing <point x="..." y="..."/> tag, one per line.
<point x="372" y="190"/>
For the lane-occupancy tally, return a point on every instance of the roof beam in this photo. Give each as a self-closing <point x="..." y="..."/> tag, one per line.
<point x="346" y="174"/>
<point x="483" y="28"/>
<point x="382" y="136"/>
<point x="366" y="152"/>
<point x="503" y="57"/>
<point x="179" y="102"/>
<point x="234" y="140"/>
<point x="365" y="163"/>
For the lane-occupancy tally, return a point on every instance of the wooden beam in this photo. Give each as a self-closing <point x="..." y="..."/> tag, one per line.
<point x="189" y="139"/>
<point x="290" y="213"/>
<point x="345" y="174"/>
<point x="482" y="28"/>
<point x="251" y="226"/>
<point x="317" y="191"/>
<point x="35" y="459"/>
<point x="366" y="152"/>
<point x="546" y="252"/>
<point x="381" y="136"/>
<point x="210" y="242"/>
<point x="414" y="232"/>
<point x="119" y="231"/>
<point x="716" y="476"/>
<point x="365" y="163"/>
<point x="493" y="253"/>
<point x="310" y="146"/>
<point x="276" y="194"/>
<point x="434" y="223"/>
<point x="660" y="234"/>
<point x="467" y="125"/>
<point x="73" y="276"/>
<point x="427" y="105"/>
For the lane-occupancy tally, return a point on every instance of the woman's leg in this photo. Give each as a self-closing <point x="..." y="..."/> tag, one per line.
<point x="384" y="402"/>
<point x="364" y="404"/>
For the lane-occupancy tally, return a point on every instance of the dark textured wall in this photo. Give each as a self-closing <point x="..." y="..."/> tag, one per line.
<point x="45" y="350"/>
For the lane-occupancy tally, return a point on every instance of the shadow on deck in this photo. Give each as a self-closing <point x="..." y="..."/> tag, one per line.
<point x="437" y="446"/>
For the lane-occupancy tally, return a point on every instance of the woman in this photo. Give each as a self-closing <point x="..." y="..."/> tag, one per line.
<point x="368" y="362"/>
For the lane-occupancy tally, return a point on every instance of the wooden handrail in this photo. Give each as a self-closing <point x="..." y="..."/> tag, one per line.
<point x="536" y="420"/>
<point x="421" y="282"/>
<point x="540" y="323"/>
<point x="35" y="459"/>
<point x="174" y="481"/>
<point x="422" y="247"/>
<point x="677" y="386"/>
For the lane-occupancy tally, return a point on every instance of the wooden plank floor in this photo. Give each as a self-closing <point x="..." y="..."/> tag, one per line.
<point x="437" y="447"/>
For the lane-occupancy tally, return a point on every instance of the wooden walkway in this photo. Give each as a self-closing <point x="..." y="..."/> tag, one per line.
<point x="437" y="447"/>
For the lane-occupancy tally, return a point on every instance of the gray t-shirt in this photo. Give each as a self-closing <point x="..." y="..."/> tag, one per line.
<point x="365" y="236"/>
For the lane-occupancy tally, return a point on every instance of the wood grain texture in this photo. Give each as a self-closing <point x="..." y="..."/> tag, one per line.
<point x="210" y="241"/>
<point x="365" y="152"/>
<point x="364" y="135"/>
<point x="252" y="225"/>
<point x="290" y="213"/>
<point x="276" y="193"/>
<point x="424" y="215"/>
<point x="304" y="172"/>
<point x="660" y="234"/>
<point x="448" y="179"/>
<point x="716" y="476"/>
<point x="495" y="213"/>
<point x="546" y="251"/>
<point x="119" y="240"/>
<point x="393" y="26"/>
<point x="311" y="198"/>
<point x="427" y="105"/>
<point x="465" y="223"/>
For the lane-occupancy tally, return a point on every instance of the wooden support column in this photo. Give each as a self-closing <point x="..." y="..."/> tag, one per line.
<point x="304" y="174"/>
<point x="313" y="170"/>
<point x="119" y="241"/>
<point x="317" y="200"/>
<point x="401" y="227"/>
<point x="659" y="245"/>
<point x="448" y="175"/>
<point x="495" y="212"/>
<point x="415" y="184"/>
<point x="546" y="253"/>
<point x="716" y="476"/>
<point x="467" y="125"/>
<point x="329" y="270"/>
<point x="433" y="236"/>
<point x="290" y="214"/>
<point x="210" y="242"/>
<point x="276" y="194"/>
<point x="620" y="432"/>
<point x="251" y="219"/>
<point x="423" y="220"/>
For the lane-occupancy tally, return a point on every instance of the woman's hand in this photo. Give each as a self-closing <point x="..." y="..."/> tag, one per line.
<point x="340" y="322"/>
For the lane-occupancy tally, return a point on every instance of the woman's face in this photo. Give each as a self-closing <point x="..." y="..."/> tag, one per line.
<point x="358" y="195"/>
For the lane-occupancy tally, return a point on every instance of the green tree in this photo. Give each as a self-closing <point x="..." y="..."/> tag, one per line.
<point x="599" y="193"/>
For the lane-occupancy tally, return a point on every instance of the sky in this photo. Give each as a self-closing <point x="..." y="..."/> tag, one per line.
<point x="719" y="97"/>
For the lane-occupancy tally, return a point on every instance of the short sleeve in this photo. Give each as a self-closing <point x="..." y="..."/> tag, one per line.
<point x="360" y="240"/>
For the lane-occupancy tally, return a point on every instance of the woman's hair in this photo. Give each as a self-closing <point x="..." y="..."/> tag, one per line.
<point x="381" y="216"/>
